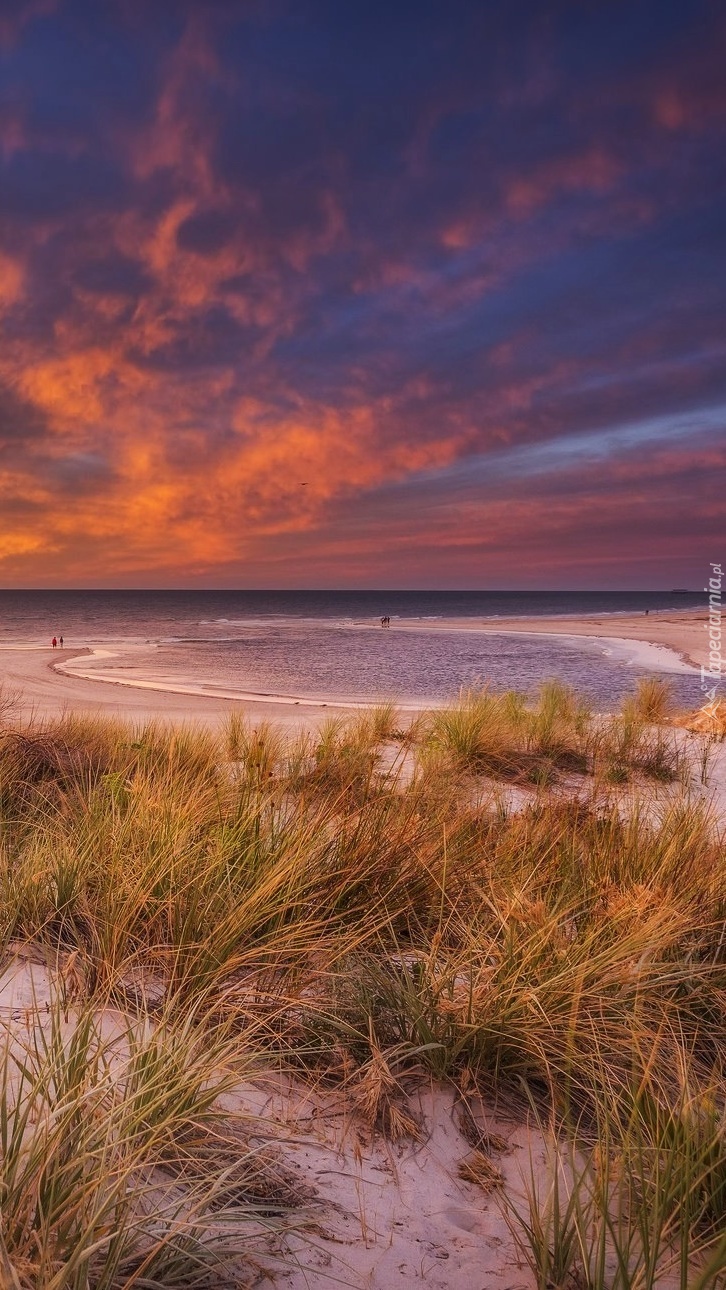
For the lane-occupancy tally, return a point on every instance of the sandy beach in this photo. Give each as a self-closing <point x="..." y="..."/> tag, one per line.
<point x="43" y="690"/>
<point x="49" y="682"/>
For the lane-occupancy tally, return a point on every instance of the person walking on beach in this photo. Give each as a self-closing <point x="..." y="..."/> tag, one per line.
<point x="60" y="641"/>
<point x="54" y="642"/>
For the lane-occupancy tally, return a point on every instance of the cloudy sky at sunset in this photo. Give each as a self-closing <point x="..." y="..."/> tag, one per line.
<point x="338" y="293"/>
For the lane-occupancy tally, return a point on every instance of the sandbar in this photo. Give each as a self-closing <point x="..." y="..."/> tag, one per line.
<point x="44" y="691"/>
<point x="681" y="631"/>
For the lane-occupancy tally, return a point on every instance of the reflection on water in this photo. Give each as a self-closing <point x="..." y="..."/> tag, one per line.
<point x="318" y="660"/>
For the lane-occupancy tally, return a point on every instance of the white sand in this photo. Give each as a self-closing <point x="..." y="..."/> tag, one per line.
<point x="381" y="1215"/>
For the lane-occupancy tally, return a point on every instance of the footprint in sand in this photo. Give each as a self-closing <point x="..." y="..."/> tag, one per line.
<point x="465" y="1219"/>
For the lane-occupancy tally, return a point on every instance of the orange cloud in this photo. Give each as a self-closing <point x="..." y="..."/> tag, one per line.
<point x="12" y="277"/>
<point x="236" y="331"/>
<point x="70" y="388"/>
<point x="594" y="171"/>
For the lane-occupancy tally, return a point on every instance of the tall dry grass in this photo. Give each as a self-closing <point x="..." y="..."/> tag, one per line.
<point x="118" y="1169"/>
<point x="248" y="899"/>
<point x="503" y="737"/>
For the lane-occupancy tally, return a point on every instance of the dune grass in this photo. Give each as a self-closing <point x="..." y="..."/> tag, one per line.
<point x="504" y="737"/>
<point x="244" y="900"/>
<point x="107" y="1135"/>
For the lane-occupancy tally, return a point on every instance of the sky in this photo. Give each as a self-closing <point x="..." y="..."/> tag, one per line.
<point x="340" y="293"/>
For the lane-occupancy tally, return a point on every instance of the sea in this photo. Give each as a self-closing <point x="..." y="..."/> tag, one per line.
<point x="330" y="644"/>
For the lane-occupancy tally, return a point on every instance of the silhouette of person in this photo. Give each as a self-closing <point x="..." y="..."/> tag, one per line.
<point x="60" y="642"/>
<point x="54" y="642"/>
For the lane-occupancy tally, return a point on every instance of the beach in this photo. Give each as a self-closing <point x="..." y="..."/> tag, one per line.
<point x="44" y="691"/>
<point x="49" y="682"/>
<point x="381" y="939"/>
<point x="340" y="965"/>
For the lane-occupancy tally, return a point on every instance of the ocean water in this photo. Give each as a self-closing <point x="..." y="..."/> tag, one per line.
<point x="310" y="644"/>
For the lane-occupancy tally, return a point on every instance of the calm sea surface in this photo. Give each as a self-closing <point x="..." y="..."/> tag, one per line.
<point x="312" y="643"/>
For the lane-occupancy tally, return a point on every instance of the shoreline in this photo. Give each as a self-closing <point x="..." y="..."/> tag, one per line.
<point x="45" y="692"/>
<point x="666" y="642"/>
<point x="680" y="631"/>
<point x="211" y="690"/>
